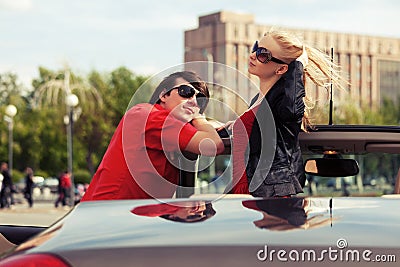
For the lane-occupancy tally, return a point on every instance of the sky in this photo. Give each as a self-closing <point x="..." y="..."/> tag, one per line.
<point x="148" y="36"/>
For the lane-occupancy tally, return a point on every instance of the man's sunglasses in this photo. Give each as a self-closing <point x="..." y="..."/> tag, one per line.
<point x="187" y="91"/>
<point x="264" y="55"/>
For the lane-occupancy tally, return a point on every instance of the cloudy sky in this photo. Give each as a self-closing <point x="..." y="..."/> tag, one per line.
<point x="147" y="36"/>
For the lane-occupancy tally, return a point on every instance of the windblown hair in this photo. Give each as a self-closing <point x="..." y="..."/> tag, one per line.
<point x="320" y="69"/>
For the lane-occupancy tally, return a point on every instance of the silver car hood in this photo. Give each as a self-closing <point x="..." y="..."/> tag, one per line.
<point x="360" y="222"/>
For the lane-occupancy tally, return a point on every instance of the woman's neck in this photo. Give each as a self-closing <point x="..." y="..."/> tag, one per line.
<point x="267" y="83"/>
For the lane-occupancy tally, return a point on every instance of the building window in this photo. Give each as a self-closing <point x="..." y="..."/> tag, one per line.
<point x="235" y="56"/>
<point x="347" y="67"/>
<point x="389" y="77"/>
<point x="358" y="77"/>
<point x="337" y="58"/>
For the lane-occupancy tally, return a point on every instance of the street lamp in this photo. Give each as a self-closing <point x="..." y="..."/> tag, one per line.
<point x="71" y="102"/>
<point x="10" y="112"/>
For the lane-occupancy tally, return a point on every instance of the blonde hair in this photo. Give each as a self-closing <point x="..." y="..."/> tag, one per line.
<point x="321" y="70"/>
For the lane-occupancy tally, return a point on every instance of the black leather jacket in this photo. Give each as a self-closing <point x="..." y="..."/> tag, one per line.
<point x="285" y="169"/>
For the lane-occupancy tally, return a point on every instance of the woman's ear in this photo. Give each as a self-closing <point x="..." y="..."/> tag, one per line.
<point x="282" y="70"/>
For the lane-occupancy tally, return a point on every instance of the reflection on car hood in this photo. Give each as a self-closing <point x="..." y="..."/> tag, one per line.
<point x="363" y="222"/>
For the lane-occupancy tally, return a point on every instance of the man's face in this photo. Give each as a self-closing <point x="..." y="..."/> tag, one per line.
<point x="184" y="109"/>
<point x="4" y="166"/>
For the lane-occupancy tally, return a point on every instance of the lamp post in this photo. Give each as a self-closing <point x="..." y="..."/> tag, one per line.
<point x="10" y="112"/>
<point x="210" y="81"/>
<point x="71" y="102"/>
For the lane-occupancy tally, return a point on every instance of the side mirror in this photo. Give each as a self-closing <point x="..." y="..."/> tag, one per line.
<point x="331" y="167"/>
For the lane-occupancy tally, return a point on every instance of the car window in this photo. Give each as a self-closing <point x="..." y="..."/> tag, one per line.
<point x="377" y="176"/>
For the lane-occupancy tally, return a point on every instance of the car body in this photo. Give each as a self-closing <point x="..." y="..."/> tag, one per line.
<point x="240" y="230"/>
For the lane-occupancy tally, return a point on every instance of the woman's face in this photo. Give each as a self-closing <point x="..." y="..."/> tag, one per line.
<point x="265" y="70"/>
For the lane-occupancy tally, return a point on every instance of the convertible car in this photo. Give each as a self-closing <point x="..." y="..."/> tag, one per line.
<point x="361" y="228"/>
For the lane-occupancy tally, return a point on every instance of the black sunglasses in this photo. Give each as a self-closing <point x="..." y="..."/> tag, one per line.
<point x="264" y="55"/>
<point x="187" y="91"/>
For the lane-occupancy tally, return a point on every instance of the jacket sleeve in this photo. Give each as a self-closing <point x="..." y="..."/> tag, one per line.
<point x="291" y="106"/>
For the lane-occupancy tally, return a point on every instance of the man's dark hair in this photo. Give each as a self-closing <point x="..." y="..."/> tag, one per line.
<point x="169" y="82"/>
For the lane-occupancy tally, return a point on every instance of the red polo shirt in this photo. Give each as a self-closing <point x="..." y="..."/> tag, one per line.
<point x="135" y="164"/>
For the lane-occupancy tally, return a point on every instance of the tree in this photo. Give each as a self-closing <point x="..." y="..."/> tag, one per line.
<point x="39" y="131"/>
<point x="10" y="93"/>
<point x="51" y="90"/>
<point x="117" y="90"/>
<point x="9" y="88"/>
<point x="121" y="88"/>
<point x="390" y="111"/>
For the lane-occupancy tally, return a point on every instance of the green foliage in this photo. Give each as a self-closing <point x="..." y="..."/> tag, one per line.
<point x="9" y="88"/>
<point x="349" y="112"/>
<point x="82" y="176"/>
<point x="39" y="132"/>
<point x="391" y="111"/>
<point x="42" y="173"/>
<point x="17" y="175"/>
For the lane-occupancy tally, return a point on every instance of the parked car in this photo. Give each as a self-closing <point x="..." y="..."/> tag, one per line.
<point x="238" y="230"/>
<point x="37" y="183"/>
<point x="52" y="184"/>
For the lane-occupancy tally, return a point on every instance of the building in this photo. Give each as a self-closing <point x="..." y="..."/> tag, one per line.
<point x="371" y="63"/>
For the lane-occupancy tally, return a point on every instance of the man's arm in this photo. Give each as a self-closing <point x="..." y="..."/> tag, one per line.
<point x="206" y="140"/>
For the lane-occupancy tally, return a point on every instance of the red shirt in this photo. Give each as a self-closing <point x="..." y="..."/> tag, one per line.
<point x="135" y="164"/>
<point x="241" y="134"/>
<point x="65" y="181"/>
<point x="155" y="210"/>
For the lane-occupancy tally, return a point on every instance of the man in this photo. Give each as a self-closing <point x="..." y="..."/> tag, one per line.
<point x="139" y="161"/>
<point x="64" y="189"/>
<point x="6" y="197"/>
<point x="29" y="186"/>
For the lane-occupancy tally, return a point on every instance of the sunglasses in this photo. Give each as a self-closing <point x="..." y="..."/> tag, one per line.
<point x="264" y="55"/>
<point x="187" y="91"/>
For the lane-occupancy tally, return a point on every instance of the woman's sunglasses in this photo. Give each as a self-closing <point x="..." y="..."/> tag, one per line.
<point x="187" y="91"/>
<point x="264" y="55"/>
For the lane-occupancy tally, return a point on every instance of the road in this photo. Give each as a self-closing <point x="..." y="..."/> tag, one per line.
<point x="43" y="213"/>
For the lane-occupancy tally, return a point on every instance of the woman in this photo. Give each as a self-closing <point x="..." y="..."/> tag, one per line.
<point x="280" y="61"/>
